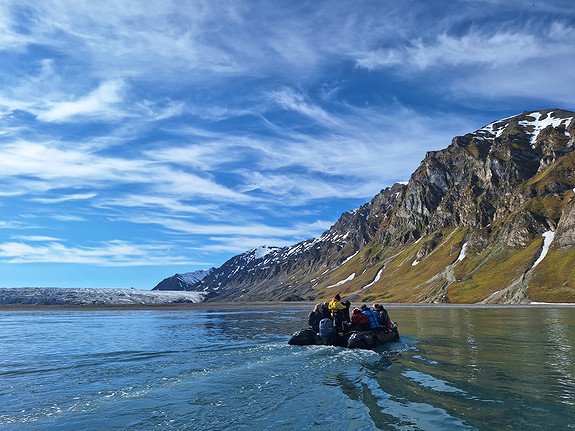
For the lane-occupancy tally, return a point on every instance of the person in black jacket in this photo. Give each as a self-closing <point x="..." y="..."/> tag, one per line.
<point x="325" y="310"/>
<point x="315" y="316"/>
<point x="382" y="316"/>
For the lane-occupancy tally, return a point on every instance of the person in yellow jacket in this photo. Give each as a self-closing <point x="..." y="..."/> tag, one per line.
<point x="336" y="308"/>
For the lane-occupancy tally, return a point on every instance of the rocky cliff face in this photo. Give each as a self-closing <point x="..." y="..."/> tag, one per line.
<point x="490" y="218"/>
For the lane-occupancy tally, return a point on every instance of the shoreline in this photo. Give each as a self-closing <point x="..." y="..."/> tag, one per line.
<point x="250" y="306"/>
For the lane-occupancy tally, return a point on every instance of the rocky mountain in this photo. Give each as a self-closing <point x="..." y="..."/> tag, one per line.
<point x="491" y="218"/>
<point x="183" y="281"/>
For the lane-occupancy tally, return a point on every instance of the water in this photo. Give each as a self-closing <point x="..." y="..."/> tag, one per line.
<point x="453" y="369"/>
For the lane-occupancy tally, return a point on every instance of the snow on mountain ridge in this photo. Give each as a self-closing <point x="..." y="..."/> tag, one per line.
<point x="195" y="276"/>
<point x="536" y="120"/>
<point x="539" y="124"/>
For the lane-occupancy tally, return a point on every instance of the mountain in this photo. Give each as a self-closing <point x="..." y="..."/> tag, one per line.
<point x="183" y="281"/>
<point x="490" y="218"/>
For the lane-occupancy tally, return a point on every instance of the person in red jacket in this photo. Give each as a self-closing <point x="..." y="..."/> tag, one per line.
<point x="359" y="321"/>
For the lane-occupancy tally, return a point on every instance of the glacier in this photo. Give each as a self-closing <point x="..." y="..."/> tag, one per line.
<point x="85" y="296"/>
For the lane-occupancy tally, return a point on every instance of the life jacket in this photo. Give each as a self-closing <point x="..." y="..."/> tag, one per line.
<point x="373" y="323"/>
<point x="335" y="307"/>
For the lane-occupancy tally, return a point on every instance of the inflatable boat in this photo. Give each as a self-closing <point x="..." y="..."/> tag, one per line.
<point x="352" y="340"/>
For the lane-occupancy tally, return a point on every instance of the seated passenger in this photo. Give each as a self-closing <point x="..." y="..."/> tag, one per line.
<point x="359" y="321"/>
<point x="373" y="323"/>
<point x="314" y="317"/>
<point x="325" y="310"/>
<point x="383" y="317"/>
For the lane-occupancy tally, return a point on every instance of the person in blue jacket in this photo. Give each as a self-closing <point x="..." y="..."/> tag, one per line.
<point x="370" y="314"/>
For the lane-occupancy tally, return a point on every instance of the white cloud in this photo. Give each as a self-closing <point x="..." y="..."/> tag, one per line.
<point x="73" y="197"/>
<point x="233" y="228"/>
<point x="111" y="253"/>
<point x="38" y="238"/>
<point x="474" y="48"/>
<point x="54" y="165"/>
<point x="100" y="103"/>
<point x="487" y="63"/>
<point x="207" y="156"/>
<point x="296" y="101"/>
<point x="59" y="162"/>
<point x="171" y="204"/>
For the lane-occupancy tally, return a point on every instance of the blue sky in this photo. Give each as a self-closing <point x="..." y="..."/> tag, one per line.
<point x="143" y="138"/>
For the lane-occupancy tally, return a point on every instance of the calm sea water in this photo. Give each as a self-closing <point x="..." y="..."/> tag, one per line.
<point x="453" y="369"/>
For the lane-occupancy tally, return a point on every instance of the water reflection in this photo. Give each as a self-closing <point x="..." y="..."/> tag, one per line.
<point x="513" y="366"/>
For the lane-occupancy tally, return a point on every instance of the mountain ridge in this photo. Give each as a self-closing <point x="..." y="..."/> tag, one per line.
<point x="467" y="227"/>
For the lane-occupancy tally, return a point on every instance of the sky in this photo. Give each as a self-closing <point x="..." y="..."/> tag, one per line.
<point x="139" y="139"/>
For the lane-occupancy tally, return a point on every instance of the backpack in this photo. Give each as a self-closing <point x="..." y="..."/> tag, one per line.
<point x="326" y="328"/>
<point x="327" y="331"/>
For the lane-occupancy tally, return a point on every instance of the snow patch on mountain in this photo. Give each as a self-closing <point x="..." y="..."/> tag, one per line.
<point x="263" y="251"/>
<point x="195" y="276"/>
<point x="339" y="283"/>
<point x="534" y="121"/>
<point x="547" y="240"/>
<point x="376" y="279"/>
<point x="462" y="253"/>
<point x="350" y="257"/>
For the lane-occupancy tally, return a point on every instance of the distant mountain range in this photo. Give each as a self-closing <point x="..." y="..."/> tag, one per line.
<point x="489" y="219"/>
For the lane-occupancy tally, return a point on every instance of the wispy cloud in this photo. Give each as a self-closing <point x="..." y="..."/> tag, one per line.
<point x="486" y="61"/>
<point x="112" y="253"/>
<point x="251" y="229"/>
<point x="38" y="238"/>
<point x="296" y="101"/>
<point x="446" y="50"/>
<point x="100" y="103"/>
<point x="73" y="197"/>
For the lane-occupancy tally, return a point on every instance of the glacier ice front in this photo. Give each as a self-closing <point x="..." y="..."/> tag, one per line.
<point x="77" y="296"/>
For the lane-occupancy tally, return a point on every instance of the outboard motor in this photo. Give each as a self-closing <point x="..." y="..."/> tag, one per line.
<point x="327" y="332"/>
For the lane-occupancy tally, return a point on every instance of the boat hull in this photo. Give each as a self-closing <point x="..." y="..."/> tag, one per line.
<point x="354" y="340"/>
<point x="371" y="339"/>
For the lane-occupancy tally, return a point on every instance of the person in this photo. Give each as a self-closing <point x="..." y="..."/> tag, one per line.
<point x="359" y="321"/>
<point x="314" y="317"/>
<point x="383" y="316"/>
<point x="336" y="308"/>
<point x="346" y="310"/>
<point x="325" y="313"/>
<point x="373" y="323"/>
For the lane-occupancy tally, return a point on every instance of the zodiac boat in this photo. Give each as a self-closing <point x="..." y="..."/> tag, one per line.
<point x="353" y="340"/>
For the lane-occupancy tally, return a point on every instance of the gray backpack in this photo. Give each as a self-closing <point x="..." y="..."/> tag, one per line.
<point x="327" y="332"/>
